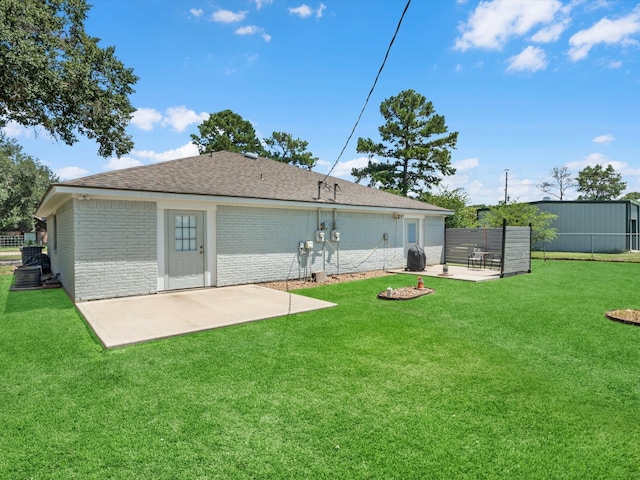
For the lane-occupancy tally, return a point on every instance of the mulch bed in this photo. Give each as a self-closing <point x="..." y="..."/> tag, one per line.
<point x="627" y="315"/>
<point x="405" y="293"/>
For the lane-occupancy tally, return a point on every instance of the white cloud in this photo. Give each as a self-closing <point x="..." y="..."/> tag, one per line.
<point x="530" y="59"/>
<point x="247" y="30"/>
<point x="614" y="64"/>
<point x="466" y="165"/>
<point x="116" y="163"/>
<point x="187" y="150"/>
<point x="69" y="173"/>
<point x="606" y="31"/>
<point x="494" y="22"/>
<point x="196" y="12"/>
<point x="15" y="130"/>
<point x="343" y="169"/>
<point x="303" y="11"/>
<point x="262" y="3"/>
<point x="320" y="10"/>
<point x="180" y="117"/>
<point x="253" y="30"/>
<point x="603" y="138"/>
<point x="227" y="16"/>
<point x="551" y="33"/>
<point x="590" y="160"/>
<point x="324" y="163"/>
<point x="177" y="117"/>
<point x="146" y="118"/>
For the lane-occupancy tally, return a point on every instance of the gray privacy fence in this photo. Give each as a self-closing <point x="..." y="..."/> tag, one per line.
<point x="511" y="244"/>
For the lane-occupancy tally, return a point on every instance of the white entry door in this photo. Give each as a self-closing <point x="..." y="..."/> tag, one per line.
<point x="186" y="249"/>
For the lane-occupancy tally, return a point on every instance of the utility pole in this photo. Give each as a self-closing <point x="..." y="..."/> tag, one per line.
<point x="506" y="182"/>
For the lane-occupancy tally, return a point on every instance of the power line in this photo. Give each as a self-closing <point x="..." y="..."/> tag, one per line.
<point x="370" y="91"/>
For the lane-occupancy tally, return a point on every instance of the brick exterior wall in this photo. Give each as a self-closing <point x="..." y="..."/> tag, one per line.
<point x="261" y="244"/>
<point x="115" y="248"/>
<point x="61" y="246"/>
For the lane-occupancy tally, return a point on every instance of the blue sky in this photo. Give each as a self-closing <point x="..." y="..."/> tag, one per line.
<point x="529" y="85"/>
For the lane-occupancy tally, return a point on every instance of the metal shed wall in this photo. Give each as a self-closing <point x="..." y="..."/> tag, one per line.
<point x="585" y="226"/>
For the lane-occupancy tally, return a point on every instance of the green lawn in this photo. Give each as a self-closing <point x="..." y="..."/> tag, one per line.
<point x="517" y="378"/>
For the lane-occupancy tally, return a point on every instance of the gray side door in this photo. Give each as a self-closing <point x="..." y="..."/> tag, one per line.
<point x="185" y="232"/>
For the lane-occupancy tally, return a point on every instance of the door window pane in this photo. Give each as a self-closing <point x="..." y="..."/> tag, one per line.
<point x="411" y="232"/>
<point x="185" y="233"/>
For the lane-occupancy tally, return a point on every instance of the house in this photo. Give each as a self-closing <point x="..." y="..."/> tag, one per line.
<point x="593" y="225"/>
<point x="225" y="219"/>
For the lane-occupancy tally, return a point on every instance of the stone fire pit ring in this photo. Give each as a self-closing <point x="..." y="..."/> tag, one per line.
<point x="405" y="293"/>
<point x="625" y="315"/>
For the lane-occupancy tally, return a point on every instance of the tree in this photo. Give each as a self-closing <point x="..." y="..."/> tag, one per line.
<point x="284" y="148"/>
<point x="415" y="140"/>
<point x="464" y="217"/>
<point x="53" y="75"/>
<point x="226" y="130"/>
<point x="24" y="182"/>
<point x="562" y="181"/>
<point x="597" y="183"/>
<point x="523" y="214"/>
<point x="631" y="196"/>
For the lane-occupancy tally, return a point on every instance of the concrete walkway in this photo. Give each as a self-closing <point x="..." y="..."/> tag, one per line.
<point x="123" y="321"/>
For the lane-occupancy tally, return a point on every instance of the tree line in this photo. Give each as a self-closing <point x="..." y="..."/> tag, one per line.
<point x="593" y="183"/>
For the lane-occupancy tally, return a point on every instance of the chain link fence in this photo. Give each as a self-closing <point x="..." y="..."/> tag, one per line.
<point x="592" y="243"/>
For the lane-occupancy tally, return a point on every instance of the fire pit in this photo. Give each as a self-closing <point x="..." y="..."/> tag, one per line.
<point x="404" y="293"/>
<point x="627" y="315"/>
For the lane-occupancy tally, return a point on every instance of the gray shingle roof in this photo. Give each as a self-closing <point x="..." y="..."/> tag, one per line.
<point x="235" y="175"/>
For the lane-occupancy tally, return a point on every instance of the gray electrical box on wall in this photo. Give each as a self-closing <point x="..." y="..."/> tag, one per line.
<point x="335" y="235"/>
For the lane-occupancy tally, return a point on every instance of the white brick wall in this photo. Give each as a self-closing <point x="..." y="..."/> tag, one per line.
<point x="62" y="245"/>
<point x="115" y="248"/>
<point x="261" y="244"/>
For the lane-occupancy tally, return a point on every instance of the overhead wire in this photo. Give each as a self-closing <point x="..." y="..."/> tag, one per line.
<point x="393" y="39"/>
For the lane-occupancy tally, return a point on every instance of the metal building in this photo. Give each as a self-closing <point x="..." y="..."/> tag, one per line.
<point x="593" y="226"/>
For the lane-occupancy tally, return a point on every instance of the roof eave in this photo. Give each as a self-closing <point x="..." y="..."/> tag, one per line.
<point x="58" y="194"/>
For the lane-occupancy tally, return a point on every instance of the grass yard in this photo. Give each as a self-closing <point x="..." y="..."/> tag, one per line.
<point x="517" y="378"/>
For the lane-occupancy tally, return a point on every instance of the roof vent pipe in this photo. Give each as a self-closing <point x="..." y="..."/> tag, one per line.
<point x="335" y="190"/>
<point x="319" y="186"/>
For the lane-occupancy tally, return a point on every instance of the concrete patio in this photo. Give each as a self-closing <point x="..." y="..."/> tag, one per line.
<point x="129" y="320"/>
<point x="457" y="272"/>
